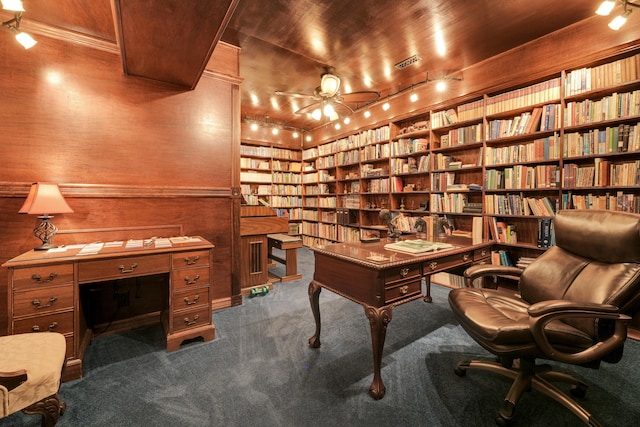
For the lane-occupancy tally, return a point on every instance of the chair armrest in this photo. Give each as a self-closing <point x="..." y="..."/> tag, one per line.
<point x="484" y="270"/>
<point x="11" y="380"/>
<point x="544" y="312"/>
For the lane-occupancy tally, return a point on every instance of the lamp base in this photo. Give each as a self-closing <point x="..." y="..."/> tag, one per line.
<point x="45" y="232"/>
<point x="45" y="247"/>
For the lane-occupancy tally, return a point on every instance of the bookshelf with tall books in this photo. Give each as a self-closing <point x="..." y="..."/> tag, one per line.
<point x="513" y="158"/>
<point x="271" y="176"/>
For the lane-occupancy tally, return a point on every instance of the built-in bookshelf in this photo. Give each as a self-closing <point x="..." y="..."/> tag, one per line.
<point x="272" y="176"/>
<point x="513" y="158"/>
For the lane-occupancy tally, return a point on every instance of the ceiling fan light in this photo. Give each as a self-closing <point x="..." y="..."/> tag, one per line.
<point x="618" y="22"/>
<point x="330" y="84"/>
<point x="13" y="5"/>
<point x="605" y="8"/>
<point x="317" y="114"/>
<point x="328" y="110"/>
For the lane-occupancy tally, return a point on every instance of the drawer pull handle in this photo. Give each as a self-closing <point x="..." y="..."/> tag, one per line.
<point x="192" y="282"/>
<point x="191" y="261"/>
<point x="404" y="272"/>
<point x="130" y="270"/>
<point x="193" y="301"/>
<point x="433" y="265"/>
<point x="483" y="252"/>
<point x="404" y="290"/>
<point x="38" y="305"/>
<point x="39" y="278"/>
<point x="52" y="326"/>
<point x="191" y="322"/>
<point x="465" y="257"/>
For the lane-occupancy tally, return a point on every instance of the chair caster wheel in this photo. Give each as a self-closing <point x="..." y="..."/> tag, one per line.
<point x="579" y="390"/>
<point x="502" y="422"/>
<point x="461" y="372"/>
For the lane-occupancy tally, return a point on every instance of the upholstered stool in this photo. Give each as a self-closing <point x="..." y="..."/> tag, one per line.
<point x="30" y="369"/>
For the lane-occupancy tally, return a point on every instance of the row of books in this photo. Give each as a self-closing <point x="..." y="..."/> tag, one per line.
<point x="287" y="177"/>
<point x="539" y="149"/>
<point x="614" y="106"/>
<point x="502" y="232"/>
<point x="448" y="202"/>
<point x="613" y="139"/>
<point x="619" y="201"/>
<point x="602" y="76"/>
<point x="535" y="94"/>
<point x="409" y="146"/>
<point x="542" y="118"/>
<point x="463" y="135"/>
<point x="289" y="190"/>
<point x="517" y="204"/>
<point x="501" y="257"/>
<point x="523" y="177"/>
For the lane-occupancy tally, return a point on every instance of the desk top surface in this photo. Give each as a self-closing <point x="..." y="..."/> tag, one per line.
<point x="375" y="255"/>
<point x="99" y="250"/>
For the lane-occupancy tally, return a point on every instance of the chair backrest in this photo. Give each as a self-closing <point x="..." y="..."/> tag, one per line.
<point x="596" y="259"/>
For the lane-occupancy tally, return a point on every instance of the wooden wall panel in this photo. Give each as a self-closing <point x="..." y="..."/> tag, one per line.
<point x="126" y="151"/>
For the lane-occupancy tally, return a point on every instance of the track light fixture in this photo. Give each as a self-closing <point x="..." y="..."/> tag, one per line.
<point x="441" y="83"/>
<point x="607" y="6"/>
<point x="13" y="25"/>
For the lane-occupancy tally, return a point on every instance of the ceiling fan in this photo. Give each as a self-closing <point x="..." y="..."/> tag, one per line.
<point x="329" y="102"/>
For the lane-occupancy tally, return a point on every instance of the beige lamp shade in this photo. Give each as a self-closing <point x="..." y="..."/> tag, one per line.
<point x="44" y="199"/>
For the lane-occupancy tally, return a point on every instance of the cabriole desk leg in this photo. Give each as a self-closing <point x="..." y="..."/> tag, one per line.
<point x="379" y="318"/>
<point x="314" y="297"/>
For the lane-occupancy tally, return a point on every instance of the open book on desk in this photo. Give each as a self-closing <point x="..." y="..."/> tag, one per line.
<point x="417" y="246"/>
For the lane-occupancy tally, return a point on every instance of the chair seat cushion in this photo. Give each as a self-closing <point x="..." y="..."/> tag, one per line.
<point x="500" y="323"/>
<point x="42" y="355"/>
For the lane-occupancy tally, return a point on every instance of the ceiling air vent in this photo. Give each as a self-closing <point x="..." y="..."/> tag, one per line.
<point x="409" y="61"/>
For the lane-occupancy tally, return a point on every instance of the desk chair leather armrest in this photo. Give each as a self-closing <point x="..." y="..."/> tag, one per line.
<point x="485" y="270"/>
<point x="546" y="311"/>
<point x="11" y="380"/>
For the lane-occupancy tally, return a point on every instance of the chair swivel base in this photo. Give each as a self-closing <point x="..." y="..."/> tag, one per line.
<point x="527" y="375"/>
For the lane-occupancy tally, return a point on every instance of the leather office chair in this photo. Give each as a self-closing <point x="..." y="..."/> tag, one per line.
<point x="30" y="369"/>
<point x="573" y="307"/>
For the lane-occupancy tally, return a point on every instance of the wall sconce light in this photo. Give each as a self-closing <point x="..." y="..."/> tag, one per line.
<point x="607" y="6"/>
<point x="43" y="200"/>
<point x="13" y="25"/>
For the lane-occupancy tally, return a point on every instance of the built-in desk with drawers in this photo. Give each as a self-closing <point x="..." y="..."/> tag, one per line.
<point x="44" y="290"/>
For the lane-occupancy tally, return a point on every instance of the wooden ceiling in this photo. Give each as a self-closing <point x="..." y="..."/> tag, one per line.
<point x="288" y="44"/>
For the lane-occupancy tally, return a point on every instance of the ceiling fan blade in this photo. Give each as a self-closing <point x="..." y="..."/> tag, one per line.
<point x="295" y="94"/>
<point x="309" y="108"/>
<point x="341" y="105"/>
<point x="360" y="97"/>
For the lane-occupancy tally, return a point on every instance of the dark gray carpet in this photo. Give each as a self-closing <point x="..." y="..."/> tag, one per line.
<point x="259" y="371"/>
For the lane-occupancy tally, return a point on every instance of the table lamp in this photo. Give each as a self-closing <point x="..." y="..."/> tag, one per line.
<point x="43" y="200"/>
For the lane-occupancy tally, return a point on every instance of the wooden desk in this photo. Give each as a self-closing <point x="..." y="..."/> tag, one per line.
<point x="379" y="279"/>
<point x="44" y="292"/>
<point x="290" y="246"/>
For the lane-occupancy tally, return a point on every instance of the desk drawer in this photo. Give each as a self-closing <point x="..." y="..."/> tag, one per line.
<point x="42" y="300"/>
<point x="479" y="254"/>
<point x="189" y="278"/>
<point x="58" y="322"/>
<point x="447" y="262"/>
<point x="190" y="259"/>
<point x="121" y="268"/>
<point x="406" y="272"/>
<point x="402" y="290"/>
<point x="190" y="299"/>
<point x="45" y="276"/>
<point x="187" y="319"/>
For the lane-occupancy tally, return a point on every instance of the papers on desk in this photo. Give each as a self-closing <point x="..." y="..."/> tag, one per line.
<point x="132" y="244"/>
<point x="91" y="249"/>
<point x="184" y="239"/>
<point x="162" y="243"/>
<point x="417" y="247"/>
